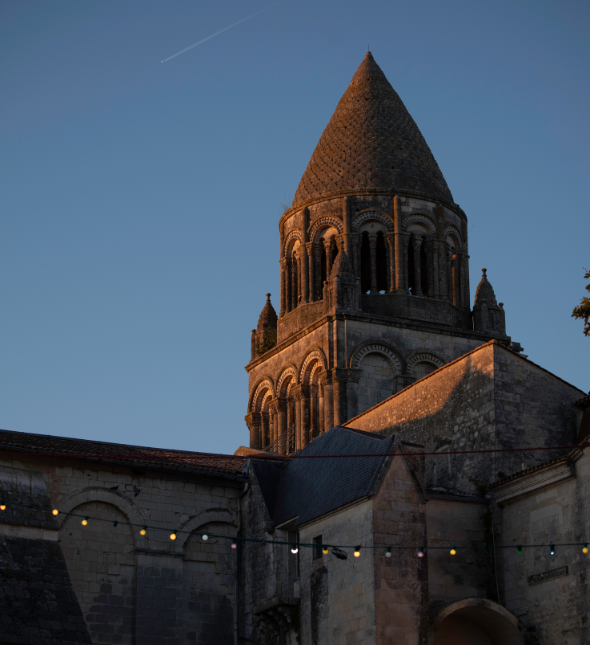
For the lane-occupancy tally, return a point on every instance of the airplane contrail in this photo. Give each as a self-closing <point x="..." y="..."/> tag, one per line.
<point x="218" y="32"/>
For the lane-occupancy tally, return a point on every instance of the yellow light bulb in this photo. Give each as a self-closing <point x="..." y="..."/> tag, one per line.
<point x="2" y="507"/>
<point x="453" y="552"/>
<point x="142" y="532"/>
<point x="173" y="536"/>
<point x="55" y="511"/>
<point x="325" y="551"/>
<point x="84" y="522"/>
<point x="357" y="552"/>
<point x="585" y="549"/>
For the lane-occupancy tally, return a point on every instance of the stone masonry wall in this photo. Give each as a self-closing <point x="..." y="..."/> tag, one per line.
<point x="489" y="398"/>
<point x="147" y="590"/>
<point x="549" y="594"/>
<point x="401" y="581"/>
<point x="470" y="573"/>
<point x="452" y="408"/>
<point x="344" y="589"/>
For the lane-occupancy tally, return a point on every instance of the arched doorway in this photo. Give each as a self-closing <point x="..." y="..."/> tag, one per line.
<point x="476" y="621"/>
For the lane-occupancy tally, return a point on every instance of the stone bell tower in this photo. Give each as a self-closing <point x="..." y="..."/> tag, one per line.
<point x="374" y="276"/>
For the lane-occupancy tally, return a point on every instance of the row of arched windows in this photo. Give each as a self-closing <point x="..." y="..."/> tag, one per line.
<point x="428" y="269"/>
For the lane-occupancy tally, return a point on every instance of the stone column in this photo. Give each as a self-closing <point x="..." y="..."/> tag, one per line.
<point x="346" y="225"/>
<point x="373" y="247"/>
<point x="304" y="274"/>
<point x="435" y="284"/>
<point x="465" y="296"/>
<point x="313" y="411"/>
<point x="417" y="269"/>
<point x="391" y="249"/>
<point x="339" y="380"/>
<point x="354" y="239"/>
<point x="281" y="417"/>
<point x="401" y="282"/>
<point x="273" y="421"/>
<point x="264" y="427"/>
<point x="317" y="256"/>
<point x="353" y="378"/>
<point x="283" y="263"/>
<point x="294" y="281"/>
<point x="305" y="438"/>
<point x="320" y="408"/>
<point x="310" y="271"/>
<point x="296" y="391"/>
<point x="328" y="249"/>
<point x="253" y="423"/>
<point x="325" y="379"/>
<point x="454" y="276"/>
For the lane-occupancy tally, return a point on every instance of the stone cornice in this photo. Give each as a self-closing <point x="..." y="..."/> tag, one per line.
<point x="533" y="482"/>
<point x="371" y="318"/>
<point x="372" y="193"/>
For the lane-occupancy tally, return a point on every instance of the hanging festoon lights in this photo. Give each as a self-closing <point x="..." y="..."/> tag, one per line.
<point x="337" y="551"/>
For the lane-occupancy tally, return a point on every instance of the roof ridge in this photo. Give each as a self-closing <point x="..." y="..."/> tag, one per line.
<point x="493" y="341"/>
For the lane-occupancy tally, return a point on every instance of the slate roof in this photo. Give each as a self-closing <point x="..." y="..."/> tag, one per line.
<point x="310" y="488"/>
<point x="371" y="143"/>
<point x="118" y="453"/>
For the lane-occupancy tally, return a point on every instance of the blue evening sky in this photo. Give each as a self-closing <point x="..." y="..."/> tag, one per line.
<point x="140" y="200"/>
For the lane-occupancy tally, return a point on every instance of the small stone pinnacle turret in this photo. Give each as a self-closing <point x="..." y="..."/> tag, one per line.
<point x="488" y="316"/>
<point x="264" y="337"/>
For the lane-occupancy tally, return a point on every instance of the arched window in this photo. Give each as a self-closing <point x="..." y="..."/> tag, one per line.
<point x="365" y="263"/>
<point x="381" y="263"/>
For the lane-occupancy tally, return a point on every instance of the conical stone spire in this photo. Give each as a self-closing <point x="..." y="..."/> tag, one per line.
<point x="371" y="144"/>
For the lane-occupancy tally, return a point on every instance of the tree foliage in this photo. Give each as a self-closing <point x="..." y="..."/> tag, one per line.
<point x="583" y="309"/>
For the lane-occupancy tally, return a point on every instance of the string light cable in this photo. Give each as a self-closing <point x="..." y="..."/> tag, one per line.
<point x="274" y="457"/>
<point x="338" y="550"/>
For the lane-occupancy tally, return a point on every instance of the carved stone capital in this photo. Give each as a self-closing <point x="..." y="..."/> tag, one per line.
<point x="252" y="419"/>
<point x="325" y="377"/>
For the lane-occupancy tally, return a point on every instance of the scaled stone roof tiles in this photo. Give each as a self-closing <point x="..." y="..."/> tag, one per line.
<point x="180" y="460"/>
<point x="371" y="143"/>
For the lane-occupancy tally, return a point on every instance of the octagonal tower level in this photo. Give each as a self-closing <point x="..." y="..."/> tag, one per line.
<point x="374" y="276"/>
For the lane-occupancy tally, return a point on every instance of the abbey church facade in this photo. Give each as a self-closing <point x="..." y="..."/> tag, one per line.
<point x="410" y="478"/>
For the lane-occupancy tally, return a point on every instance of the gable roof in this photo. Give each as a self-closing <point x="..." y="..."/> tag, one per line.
<point x="309" y="488"/>
<point x="371" y="143"/>
<point x="121" y="454"/>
